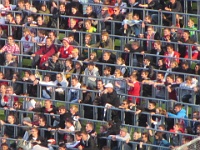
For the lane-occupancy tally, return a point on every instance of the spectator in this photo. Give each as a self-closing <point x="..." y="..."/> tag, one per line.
<point x="74" y="91"/>
<point x="87" y="142"/>
<point x="119" y="82"/>
<point x="27" y="42"/>
<point x="103" y="15"/>
<point x="159" y="140"/>
<point x="10" y="47"/>
<point x="192" y="29"/>
<point x="54" y="39"/>
<point x="107" y="78"/>
<point x="89" y="128"/>
<point x="128" y="115"/>
<point x="2" y="78"/>
<point x="122" y="5"/>
<point x="44" y="10"/>
<point x="41" y="56"/>
<point x="66" y="50"/>
<point x="11" y="66"/>
<point x="144" y="139"/>
<point x="76" y="142"/>
<point x="68" y="68"/>
<point x="72" y="40"/>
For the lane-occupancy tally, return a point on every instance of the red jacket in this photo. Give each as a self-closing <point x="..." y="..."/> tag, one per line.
<point x="168" y="59"/>
<point x="134" y="91"/>
<point x="65" y="53"/>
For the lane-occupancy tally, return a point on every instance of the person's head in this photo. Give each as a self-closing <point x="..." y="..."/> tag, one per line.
<point x="1" y="75"/>
<point x="120" y="61"/>
<point x="9" y="90"/>
<point x="89" y="10"/>
<point x="65" y="42"/>
<point x="9" y="57"/>
<point x="135" y="45"/>
<point x="166" y="32"/>
<point x="104" y="9"/>
<point x="179" y="80"/>
<point x="106" y="56"/>
<point x="107" y="71"/>
<point x="174" y="64"/>
<point x="20" y="4"/>
<point x="123" y="132"/>
<point x="27" y="5"/>
<point x="59" y="77"/>
<point x="146" y="61"/>
<point x="10" y="40"/>
<point x="11" y="119"/>
<point x="197" y="67"/>
<point x="71" y="37"/>
<point x="62" y="109"/>
<point x="26" y="32"/>
<point x="75" y="53"/>
<point x="144" y="137"/>
<point x="185" y="139"/>
<point x="17" y="105"/>
<point x="116" y="10"/>
<point x="152" y="105"/>
<point x="104" y="36"/>
<point x="133" y="77"/>
<point x="188" y="80"/>
<point x="84" y="135"/>
<point x="41" y="33"/>
<point x="68" y="123"/>
<point x="109" y="87"/>
<point x="190" y="23"/>
<point x="43" y="7"/>
<point x="78" y="135"/>
<point x="159" y="136"/>
<point x="89" y="127"/>
<point x="88" y="24"/>
<point x="161" y="127"/>
<point x="136" y="135"/>
<point x="42" y="121"/>
<point x="160" y="62"/>
<point x="48" y="42"/>
<point x="36" y="118"/>
<point x="172" y="1"/>
<point x="147" y="19"/>
<point x="88" y="38"/>
<point x="170" y="78"/>
<point x="62" y="146"/>
<point x="74" y="10"/>
<point x="55" y="58"/>
<point x="150" y="30"/>
<point x="9" y="17"/>
<point x="144" y="74"/>
<point x="177" y="108"/>
<point x="78" y="65"/>
<point x="90" y="66"/>
<point x="73" y="109"/>
<point x="4" y="146"/>
<point x="47" y="104"/>
<point x="195" y="115"/>
<point x="118" y="73"/>
<point x="177" y="127"/>
<point x="160" y="76"/>
<point x="103" y="128"/>
<point x="52" y="35"/>
<point x="185" y="65"/>
<point x="100" y="84"/>
<point x="47" y="78"/>
<point x="157" y="45"/>
<point x="72" y="23"/>
<point x="136" y="17"/>
<point x="40" y="20"/>
<point x="18" y="18"/>
<point x="30" y="19"/>
<point x="198" y="129"/>
<point x="186" y="34"/>
<point x="62" y="7"/>
<point x="68" y="63"/>
<point x="93" y="56"/>
<point x="125" y="104"/>
<point x="170" y="48"/>
<point x="74" y="81"/>
<point x="106" y="148"/>
<point x="161" y="111"/>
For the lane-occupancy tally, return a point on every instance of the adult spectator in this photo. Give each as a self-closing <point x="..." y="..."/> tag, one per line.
<point x="26" y="41"/>
<point x="103" y="15"/>
<point x="74" y="91"/>
<point x="76" y="142"/>
<point x="90" y="75"/>
<point x="171" y="55"/>
<point x="17" y="33"/>
<point x="31" y="87"/>
<point x="127" y="114"/>
<point x="2" y="78"/>
<point x="159" y="140"/>
<point x="107" y="77"/>
<point x="119" y="82"/>
<point x="66" y="50"/>
<point x="97" y="7"/>
<point x="17" y="87"/>
<point x="11" y="66"/>
<point x="55" y="39"/>
<point x="146" y="88"/>
<point x="89" y="128"/>
<point x="42" y="55"/>
<point x="122" y="5"/>
<point x="10" y="47"/>
<point x="110" y="99"/>
<point x="29" y="8"/>
<point x="117" y="16"/>
<point x="144" y="140"/>
<point x="39" y="23"/>
<point x="72" y="40"/>
<point x="147" y="65"/>
<point x="44" y="10"/>
<point x="87" y="142"/>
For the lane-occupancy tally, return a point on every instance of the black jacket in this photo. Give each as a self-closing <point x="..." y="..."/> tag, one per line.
<point x="89" y="144"/>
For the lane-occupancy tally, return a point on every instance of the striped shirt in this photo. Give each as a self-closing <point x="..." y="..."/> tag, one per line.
<point x="13" y="49"/>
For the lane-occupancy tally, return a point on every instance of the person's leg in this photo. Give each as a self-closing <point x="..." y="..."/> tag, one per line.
<point x="35" y="61"/>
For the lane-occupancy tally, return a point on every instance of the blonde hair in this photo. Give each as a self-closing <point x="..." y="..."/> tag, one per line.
<point x="118" y="71"/>
<point x="162" y="111"/>
<point x="75" y="107"/>
<point x="129" y="16"/>
<point x="94" y="54"/>
<point x="121" y="59"/>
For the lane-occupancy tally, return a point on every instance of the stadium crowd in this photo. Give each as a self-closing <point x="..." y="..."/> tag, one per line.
<point x="82" y="79"/>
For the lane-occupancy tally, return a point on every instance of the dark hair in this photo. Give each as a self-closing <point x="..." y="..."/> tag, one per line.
<point x="62" y="145"/>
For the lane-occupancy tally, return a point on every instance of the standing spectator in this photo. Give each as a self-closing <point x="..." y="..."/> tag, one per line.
<point x="9" y="63"/>
<point x="133" y="88"/>
<point x="122" y="5"/>
<point x="119" y="82"/>
<point x="107" y="77"/>
<point x="74" y="91"/>
<point x="27" y="42"/>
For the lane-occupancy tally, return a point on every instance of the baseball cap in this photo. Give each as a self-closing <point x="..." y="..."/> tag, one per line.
<point x="109" y="85"/>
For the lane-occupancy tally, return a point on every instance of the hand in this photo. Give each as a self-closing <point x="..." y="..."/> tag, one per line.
<point x="46" y="64"/>
<point x="41" y="55"/>
<point x="33" y="55"/>
<point x="166" y="115"/>
<point x="74" y="30"/>
<point x="80" y="147"/>
<point x="105" y="91"/>
<point x="137" y="112"/>
<point x="114" y="138"/>
<point x="49" y="129"/>
<point x="125" y="26"/>
<point x="35" y="82"/>
<point x="142" y="52"/>
<point x="116" y="84"/>
<point x="79" y="101"/>
<point x="195" y="89"/>
<point x="141" y="143"/>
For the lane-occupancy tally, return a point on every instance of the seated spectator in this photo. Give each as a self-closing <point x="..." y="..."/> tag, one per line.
<point x="89" y="128"/>
<point x="75" y="13"/>
<point x="72" y="40"/>
<point x="29" y="8"/>
<point x="76" y="142"/>
<point x="87" y="142"/>
<point x="185" y="50"/>
<point x="3" y="35"/>
<point x="144" y="140"/>
<point x="192" y="29"/>
<point x="35" y="137"/>
<point x="147" y="21"/>
<point x="168" y="37"/>
<point x="75" y="116"/>
<point x="185" y="68"/>
<point x="128" y="116"/>
<point x="73" y="27"/>
<point x="26" y="41"/>
<point x="148" y="66"/>
<point x="92" y="57"/>
<point x="143" y="117"/>
<point x="96" y="8"/>
<point x="119" y="82"/>
<point x="196" y="69"/>
<point x="102" y="133"/>
<point x="40" y="22"/>
<point x="9" y="62"/>
<point x="41" y="56"/>
<point x="10" y="47"/>
<point x="161" y="65"/>
<point x="177" y="128"/>
<point x="44" y="10"/>
<point x="9" y="131"/>
<point x="35" y="121"/>
<point x="146" y="87"/>
<point x="90" y="75"/>
<point x="69" y="127"/>
<point x="158" y="120"/>
<point x="103" y="15"/>
<point x="122" y="136"/>
<point x="2" y="78"/>
<point x="121" y="66"/>
<point x="122" y="5"/>
<point x="89" y="28"/>
<point x="17" y="87"/>
<point x="171" y="55"/>
<point x="86" y="99"/>
<point x="40" y="39"/>
<point x="66" y="50"/>
<point x="74" y="91"/>
<point x="68" y="68"/>
<point x="107" y="77"/>
<point x="151" y="34"/>
<point x="159" y="140"/>
<point x="54" y="39"/>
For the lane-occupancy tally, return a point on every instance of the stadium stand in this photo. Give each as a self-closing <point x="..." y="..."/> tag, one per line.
<point x="99" y="75"/>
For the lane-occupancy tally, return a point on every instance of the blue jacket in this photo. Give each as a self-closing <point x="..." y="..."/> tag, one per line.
<point x="180" y="115"/>
<point x="163" y="143"/>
